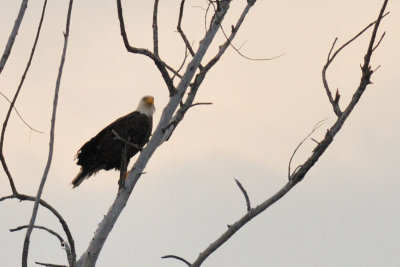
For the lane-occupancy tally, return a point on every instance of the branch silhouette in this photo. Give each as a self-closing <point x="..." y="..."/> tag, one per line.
<point x="51" y="143"/>
<point x="298" y="175"/>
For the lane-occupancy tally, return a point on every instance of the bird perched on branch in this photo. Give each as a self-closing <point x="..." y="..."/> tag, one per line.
<point x="117" y="143"/>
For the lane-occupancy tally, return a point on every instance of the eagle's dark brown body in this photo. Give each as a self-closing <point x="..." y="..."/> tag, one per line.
<point x="104" y="151"/>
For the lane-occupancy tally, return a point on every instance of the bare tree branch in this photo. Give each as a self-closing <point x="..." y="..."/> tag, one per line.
<point x="118" y="137"/>
<point x="300" y="173"/>
<point x="16" y="27"/>
<point x="13" y="35"/>
<point x="171" y="117"/>
<point x="51" y="143"/>
<point x="177" y="258"/>
<point x="234" y="29"/>
<point x="70" y="251"/>
<point x="70" y="245"/>
<point x="89" y="258"/>
<point x="223" y="47"/>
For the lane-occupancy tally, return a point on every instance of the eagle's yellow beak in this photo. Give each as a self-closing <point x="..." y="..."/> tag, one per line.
<point x="149" y="100"/>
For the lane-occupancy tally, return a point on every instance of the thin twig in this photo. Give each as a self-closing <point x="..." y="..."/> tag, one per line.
<point x="229" y="42"/>
<point x="316" y="126"/>
<point x="206" y="14"/>
<point x="51" y="143"/>
<point x="13" y="34"/>
<point x="245" y="194"/>
<point x="243" y="55"/>
<point x="181" y="66"/>
<point x="354" y="38"/>
<point x="19" y="115"/>
<point x="377" y="68"/>
<point x="181" y="113"/>
<point x="199" y="104"/>
<point x="315" y="141"/>
<point x="330" y="50"/>
<point x="177" y="258"/>
<point x="335" y="104"/>
<point x="379" y="42"/>
<point x="118" y="137"/>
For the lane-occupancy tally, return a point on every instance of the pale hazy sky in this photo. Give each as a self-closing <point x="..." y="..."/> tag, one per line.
<point x="344" y="213"/>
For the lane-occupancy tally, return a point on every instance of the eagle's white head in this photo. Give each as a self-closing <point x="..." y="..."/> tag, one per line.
<point x="146" y="105"/>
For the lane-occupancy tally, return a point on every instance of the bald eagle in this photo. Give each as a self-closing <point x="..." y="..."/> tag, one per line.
<point x="104" y="151"/>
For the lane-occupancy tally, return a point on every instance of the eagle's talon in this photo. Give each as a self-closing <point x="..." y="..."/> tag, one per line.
<point x="121" y="184"/>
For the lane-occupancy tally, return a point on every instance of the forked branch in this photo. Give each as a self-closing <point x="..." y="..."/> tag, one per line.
<point x="91" y="254"/>
<point x="63" y="243"/>
<point x="300" y="172"/>
<point x="50" y="208"/>
<point x="331" y="57"/>
<point x="181" y="32"/>
<point x="169" y="128"/>
<point x="161" y="65"/>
